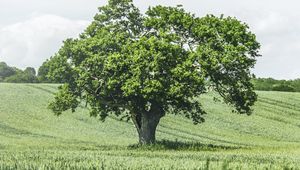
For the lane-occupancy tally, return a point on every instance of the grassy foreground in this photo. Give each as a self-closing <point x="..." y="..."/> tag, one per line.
<point x="31" y="137"/>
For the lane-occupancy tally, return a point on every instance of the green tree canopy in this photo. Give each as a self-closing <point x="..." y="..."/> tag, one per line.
<point x="144" y="66"/>
<point x="26" y="76"/>
<point x="6" y="71"/>
<point x="43" y="72"/>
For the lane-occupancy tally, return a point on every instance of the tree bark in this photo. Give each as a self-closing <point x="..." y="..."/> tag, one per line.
<point x="146" y="123"/>
<point x="148" y="128"/>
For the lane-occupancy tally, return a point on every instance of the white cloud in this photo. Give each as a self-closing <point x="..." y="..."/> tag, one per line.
<point x="31" y="42"/>
<point x="280" y="39"/>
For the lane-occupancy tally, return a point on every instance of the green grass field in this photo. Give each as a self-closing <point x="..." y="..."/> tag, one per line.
<point x="31" y="137"/>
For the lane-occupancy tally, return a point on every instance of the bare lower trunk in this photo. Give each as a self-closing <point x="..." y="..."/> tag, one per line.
<point x="146" y="124"/>
<point x="147" y="129"/>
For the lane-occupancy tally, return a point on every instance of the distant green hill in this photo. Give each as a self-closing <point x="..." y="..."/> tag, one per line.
<point x="31" y="137"/>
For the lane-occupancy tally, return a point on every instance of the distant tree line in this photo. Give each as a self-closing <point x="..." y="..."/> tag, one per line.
<point x="15" y="75"/>
<point x="28" y="75"/>
<point x="270" y="84"/>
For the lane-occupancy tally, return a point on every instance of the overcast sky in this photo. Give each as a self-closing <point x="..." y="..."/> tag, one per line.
<point x="33" y="30"/>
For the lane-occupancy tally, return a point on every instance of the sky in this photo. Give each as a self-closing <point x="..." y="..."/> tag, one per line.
<point x="33" y="30"/>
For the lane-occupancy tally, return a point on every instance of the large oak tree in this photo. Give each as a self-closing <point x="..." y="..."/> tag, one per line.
<point x="145" y="66"/>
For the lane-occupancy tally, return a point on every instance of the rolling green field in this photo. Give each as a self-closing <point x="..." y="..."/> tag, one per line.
<point x="31" y="137"/>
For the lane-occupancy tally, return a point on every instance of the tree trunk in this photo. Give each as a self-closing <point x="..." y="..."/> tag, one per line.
<point x="146" y="123"/>
<point x="147" y="129"/>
